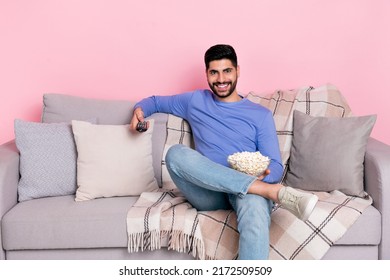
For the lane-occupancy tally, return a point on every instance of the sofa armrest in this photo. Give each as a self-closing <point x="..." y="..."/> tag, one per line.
<point x="377" y="184"/>
<point x="9" y="178"/>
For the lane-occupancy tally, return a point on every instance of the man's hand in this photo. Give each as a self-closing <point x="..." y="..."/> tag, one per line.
<point x="138" y="116"/>
<point x="265" y="174"/>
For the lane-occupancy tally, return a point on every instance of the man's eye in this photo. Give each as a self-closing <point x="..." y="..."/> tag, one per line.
<point x="228" y="70"/>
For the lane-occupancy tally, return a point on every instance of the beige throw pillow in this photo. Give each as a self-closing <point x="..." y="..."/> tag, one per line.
<point x="112" y="161"/>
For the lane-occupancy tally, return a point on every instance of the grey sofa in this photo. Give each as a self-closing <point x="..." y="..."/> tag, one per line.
<point x="60" y="228"/>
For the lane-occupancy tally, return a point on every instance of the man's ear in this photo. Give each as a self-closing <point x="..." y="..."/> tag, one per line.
<point x="238" y="71"/>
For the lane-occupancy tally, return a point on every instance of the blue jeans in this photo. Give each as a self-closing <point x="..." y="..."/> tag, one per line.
<point x="210" y="186"/>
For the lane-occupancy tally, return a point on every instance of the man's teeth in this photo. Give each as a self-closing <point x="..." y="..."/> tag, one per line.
<point x="222" y="85"/>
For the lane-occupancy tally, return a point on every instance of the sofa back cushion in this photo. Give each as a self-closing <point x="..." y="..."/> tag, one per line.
<point x="65" y="108"/>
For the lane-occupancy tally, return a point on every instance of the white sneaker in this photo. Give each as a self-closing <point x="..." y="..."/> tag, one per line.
<point x="299" y="203"/>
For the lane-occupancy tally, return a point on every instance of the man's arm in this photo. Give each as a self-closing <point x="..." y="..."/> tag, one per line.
<point x="174" y="104"/>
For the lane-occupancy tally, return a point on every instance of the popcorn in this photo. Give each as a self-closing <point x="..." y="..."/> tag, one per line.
<point x="251" y="163"/>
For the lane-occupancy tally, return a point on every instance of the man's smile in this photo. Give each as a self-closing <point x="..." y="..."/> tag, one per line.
<point x="222" y="86"/>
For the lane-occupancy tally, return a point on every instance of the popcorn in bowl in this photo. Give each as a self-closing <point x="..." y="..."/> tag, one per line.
<point x="251" y="163"/>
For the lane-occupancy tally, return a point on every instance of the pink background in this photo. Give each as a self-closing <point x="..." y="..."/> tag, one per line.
<point x="126" y="49"/>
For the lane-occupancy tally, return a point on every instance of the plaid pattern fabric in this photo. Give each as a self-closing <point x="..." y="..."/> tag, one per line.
<point x="178" y="132"/>
<point x="325" y="101"/>
<point x="214" y="234"/>
<point x="158" y="216"/>
<point x="219" y="233"/>
<point x="291" y="238"/>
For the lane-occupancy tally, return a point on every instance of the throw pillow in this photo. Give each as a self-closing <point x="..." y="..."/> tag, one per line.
<point x="112" y="161"/>
<point x="328" y="153"/>
<point x="47" y="159"/>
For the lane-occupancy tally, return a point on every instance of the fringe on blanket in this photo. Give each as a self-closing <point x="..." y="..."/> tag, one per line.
<point x="184" y="243"/>
<point x="177" y="240"/>
<point x="150" y="240"/>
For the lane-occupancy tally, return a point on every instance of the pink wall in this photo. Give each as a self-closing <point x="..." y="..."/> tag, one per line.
<point x="131" y="49"/>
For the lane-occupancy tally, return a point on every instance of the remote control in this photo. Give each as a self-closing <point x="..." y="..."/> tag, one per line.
<point x="142" y="126"/>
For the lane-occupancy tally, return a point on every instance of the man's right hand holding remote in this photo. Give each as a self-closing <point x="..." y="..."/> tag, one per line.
<point x="138" y="117"/>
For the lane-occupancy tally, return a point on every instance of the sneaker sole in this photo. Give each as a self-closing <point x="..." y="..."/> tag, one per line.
<point x="309" y="208"/>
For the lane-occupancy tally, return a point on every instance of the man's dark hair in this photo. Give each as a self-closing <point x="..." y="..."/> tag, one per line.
<point x="219" y="52"/>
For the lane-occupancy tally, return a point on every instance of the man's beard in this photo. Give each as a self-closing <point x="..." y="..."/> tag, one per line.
<point x="231" y="90"/>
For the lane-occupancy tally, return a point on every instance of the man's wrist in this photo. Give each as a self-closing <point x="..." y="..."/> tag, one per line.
<point x="139" y="113"/>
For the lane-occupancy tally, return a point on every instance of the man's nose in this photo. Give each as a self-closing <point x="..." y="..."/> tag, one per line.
<point x="221" y="78"/>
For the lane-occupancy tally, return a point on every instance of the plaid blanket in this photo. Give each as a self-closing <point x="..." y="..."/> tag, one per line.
<point x="165" y="219"/>
<point x="165" y="215"/>
<point x="290" y="238"/>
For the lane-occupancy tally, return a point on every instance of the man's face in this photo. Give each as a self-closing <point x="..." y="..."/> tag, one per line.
<point x="222" y="78"/>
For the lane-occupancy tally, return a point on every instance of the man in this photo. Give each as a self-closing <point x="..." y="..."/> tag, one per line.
<point x="223" y="122"/>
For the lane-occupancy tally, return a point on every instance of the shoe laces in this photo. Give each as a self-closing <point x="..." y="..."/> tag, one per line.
<point x="290" y="199"/>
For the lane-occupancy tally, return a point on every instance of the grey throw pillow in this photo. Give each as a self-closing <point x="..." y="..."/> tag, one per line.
<point x="47" y="159"/>
<point x="328" y="153"/>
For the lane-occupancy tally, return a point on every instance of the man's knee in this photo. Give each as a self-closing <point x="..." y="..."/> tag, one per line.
<point x="174" y="155"/>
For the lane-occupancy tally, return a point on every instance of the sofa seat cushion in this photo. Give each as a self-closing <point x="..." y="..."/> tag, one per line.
<point x="60" y="222"/>
<point x="365" y="231"/>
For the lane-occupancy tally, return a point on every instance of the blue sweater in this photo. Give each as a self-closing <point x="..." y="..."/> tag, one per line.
<point x="223" y="128"/>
